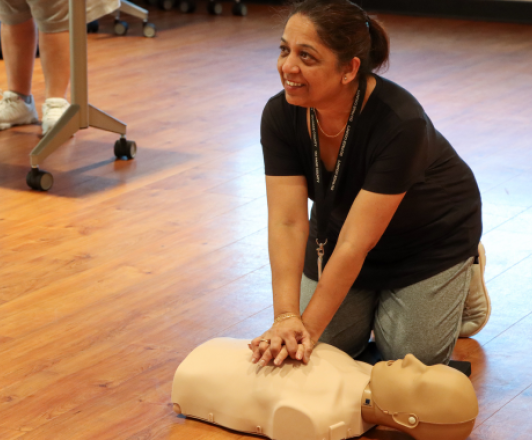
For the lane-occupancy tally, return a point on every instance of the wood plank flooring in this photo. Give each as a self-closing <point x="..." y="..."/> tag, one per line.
<point x="109" y="280"/>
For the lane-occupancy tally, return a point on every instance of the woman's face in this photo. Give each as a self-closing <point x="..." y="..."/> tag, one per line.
<point x="308" y="69"/>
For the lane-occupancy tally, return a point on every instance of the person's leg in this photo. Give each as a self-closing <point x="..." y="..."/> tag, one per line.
<point x="350" y="328"/>
<point x="51" y="17"/>
<point x="19" y="43"/>
<point x="425" y="318"/>
<point x="18" y="48"/>
<point x="54" y="48"/>
<point x="55" y="60"/>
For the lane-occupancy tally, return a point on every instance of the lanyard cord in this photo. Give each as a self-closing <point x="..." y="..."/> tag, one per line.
<point x="325" y="197"/>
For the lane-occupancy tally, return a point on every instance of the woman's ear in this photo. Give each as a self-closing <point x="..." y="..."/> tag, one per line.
<point x="351" y="70"/>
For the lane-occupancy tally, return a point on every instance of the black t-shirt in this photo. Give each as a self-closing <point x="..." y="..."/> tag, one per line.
<point x="394" y="148"/>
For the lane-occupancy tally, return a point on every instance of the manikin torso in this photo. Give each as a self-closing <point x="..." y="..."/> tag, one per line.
<point x="283" y="403"/>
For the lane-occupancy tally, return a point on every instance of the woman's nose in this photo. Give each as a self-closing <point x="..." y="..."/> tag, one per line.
<point x="290" y="65"/>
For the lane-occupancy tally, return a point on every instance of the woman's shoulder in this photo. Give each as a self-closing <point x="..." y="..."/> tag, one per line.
<point x="396" y="102"/>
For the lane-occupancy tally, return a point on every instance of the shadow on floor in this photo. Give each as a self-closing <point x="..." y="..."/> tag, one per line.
<point x="99" y="176"/>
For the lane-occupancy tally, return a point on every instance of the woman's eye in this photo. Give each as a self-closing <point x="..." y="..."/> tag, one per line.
<point x="283" y="49"/>
<point x="306" y="56"/>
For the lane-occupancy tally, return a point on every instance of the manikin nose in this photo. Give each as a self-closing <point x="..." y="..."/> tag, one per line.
<point x="410" y="361"/>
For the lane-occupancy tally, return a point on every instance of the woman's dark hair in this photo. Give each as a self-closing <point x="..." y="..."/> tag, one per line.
<point x="348" y="31"/>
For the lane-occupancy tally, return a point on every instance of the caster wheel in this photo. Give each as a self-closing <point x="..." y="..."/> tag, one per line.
<point x="166" y="5"/>
<point x="39" y="180"/>
<point x="120" y="27"/>
<point x="148" y="30"/>
<point x="240" y="9"/>
<point x="187" y="7"/>
<point x="125" y="148"/>
<point x="93" y="27"/>
<point x="214" y="8"/>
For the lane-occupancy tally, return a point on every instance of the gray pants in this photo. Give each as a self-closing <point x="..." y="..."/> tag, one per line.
<point x="423" y="319"/>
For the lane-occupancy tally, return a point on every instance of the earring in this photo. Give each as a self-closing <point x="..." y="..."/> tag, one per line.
<point x="345" y="78"/>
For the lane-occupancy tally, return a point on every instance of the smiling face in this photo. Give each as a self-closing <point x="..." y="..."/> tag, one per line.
<point x="309" y="70"/>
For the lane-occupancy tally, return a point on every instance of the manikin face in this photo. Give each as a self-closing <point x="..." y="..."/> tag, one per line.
<point x="308" y="69"/>
<point x="408" y="368"/>
<point x="435" y="394"/>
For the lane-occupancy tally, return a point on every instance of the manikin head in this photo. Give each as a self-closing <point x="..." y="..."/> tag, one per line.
<point x="428" y="403"/>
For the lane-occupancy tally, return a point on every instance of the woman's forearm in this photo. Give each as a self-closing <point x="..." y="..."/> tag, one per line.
<point x="339" y="274"/>
<point x="364" y="226"/>
<point x="287" y="243"/>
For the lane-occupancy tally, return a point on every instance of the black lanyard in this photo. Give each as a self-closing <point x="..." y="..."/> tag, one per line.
<point x="324" y="197"/>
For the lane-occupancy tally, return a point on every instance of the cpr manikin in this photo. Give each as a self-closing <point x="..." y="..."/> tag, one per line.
<point x="332" y="398"/>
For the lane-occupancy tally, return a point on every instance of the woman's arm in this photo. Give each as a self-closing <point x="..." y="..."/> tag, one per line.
<point x="367" y="220"/>
<point x="288" y="229"/>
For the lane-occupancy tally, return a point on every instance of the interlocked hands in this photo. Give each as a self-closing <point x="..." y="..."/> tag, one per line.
<point x="285" y="338"/>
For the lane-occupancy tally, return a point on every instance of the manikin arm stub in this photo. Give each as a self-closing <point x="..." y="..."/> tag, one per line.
<point x="331" y="398"/>
<point x="428" y="403"/>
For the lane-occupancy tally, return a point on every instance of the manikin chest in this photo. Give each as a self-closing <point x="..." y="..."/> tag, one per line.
<point x="294" y="402"/>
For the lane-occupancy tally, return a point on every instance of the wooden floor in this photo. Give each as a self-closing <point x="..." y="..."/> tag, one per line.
<point x="109" y="280"/>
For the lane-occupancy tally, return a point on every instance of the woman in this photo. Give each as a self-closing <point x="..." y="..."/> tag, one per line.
<point x="396" y="214"/>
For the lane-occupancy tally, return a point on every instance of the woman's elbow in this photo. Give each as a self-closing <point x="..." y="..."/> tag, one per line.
<point x="356" y="248"/>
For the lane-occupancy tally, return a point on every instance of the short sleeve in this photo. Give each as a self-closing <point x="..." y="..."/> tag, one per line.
<point x="400" y="159"/>
<point x="279" y="140"/>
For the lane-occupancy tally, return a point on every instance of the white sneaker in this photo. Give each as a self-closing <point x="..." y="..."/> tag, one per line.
<point x="477" y="307"/>
<point x="52" y="110"/>
<point x="14" y="111"/>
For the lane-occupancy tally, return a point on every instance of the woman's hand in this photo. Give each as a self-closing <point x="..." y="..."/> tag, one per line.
<point x="285" y="338"/>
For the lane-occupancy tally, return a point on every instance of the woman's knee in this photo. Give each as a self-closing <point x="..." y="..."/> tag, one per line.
<point x="428" y="352"/>
<point x="352" y="340"/>
<point x="428" y="357"/>
<point x="350" y="327"/>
